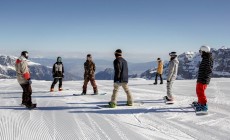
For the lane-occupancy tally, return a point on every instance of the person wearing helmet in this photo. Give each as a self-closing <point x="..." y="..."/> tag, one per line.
<point x="203" y="79"/>
<point x="172" y="74"/>
<point x="89" y="75"/>
<point x="24" y="79"/>
<point x="58" y="74"/>
<point x="159" y="71"/>
<point x="120" y="79"/>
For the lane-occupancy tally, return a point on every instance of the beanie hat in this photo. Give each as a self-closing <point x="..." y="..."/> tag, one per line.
<point x="118" y="52"/>
<point x="158" y="59"/>
<point x="25" y="54"/>
<point x="173" y="54"/>
<point x="88" y="55"/>
<point x="59" y="59"/>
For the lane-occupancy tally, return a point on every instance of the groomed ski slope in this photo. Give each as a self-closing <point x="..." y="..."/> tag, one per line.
<point x="61" y="116"/>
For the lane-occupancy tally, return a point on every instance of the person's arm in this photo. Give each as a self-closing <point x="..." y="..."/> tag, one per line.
<point x="94" y="67"/>
<point x="25" y="70"/>
<point x="171" y="70"/>
<point x="117" y="69"/>
<point x="53" y="69"/>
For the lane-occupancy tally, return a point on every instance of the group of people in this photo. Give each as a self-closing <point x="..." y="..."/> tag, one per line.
<point x="120" y="77"/>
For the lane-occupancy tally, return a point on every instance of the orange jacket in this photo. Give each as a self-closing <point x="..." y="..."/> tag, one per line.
<point x="160" y="67"/>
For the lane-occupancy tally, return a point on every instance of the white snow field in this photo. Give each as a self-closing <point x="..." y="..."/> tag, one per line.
<point x="61" y="116"/>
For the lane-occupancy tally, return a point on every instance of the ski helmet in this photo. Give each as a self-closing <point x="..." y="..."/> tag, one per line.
<point x="173" y="54"/>
<point x="25" y="54"/>
<point x="205" y="49"/>
<point x="59" y="59"/>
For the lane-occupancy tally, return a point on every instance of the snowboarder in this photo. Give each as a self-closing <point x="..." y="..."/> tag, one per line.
<point x="24" y="79"/>
<point x="172" y="74"/>
<point x="58" y="74"/>
<point x="203" y="79"/>
<point x="89" y="75"/>
<point x="159" y="71"/>
<point x="120" y="79"/>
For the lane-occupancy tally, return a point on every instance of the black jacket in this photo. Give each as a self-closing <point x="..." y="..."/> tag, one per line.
<point x="121" y="70"/>
<point x="205" y="69"/>
<point x="58" y="70"/>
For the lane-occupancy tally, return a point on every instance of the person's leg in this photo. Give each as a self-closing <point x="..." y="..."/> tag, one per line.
<point x="169" y="89"/>
<point x="23" y="94"/>
<point x="85" y="85"/>
<point x="94" y="85"/>
<point x="60" y="83"/>
<point x="54" y="83"/>
<point x="200" y="91"/>
<point x="115" y="92"/>
<point x="161" y="79"/>
<point x="128" y="93"/>
<point x="156" y="78"/>
<point x="27" y="91"/>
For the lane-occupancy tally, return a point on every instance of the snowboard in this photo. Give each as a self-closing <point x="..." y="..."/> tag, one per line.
<point x="34" y="106"/>
<point x="58" y="90"/>
<point x="199" y="113"/>
<point x="120" y="105"/>
<point x="89" y="94"/>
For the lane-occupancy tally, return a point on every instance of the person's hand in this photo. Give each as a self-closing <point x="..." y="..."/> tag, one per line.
<point x="63" y="76"/>
<point x="29" y="81"/>
<point x="168" y="81"/>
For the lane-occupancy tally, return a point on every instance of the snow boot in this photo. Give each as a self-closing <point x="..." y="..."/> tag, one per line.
<point x="51" y="90"/>
<point x="60" y="89"/>
<point x="155" y="83"/>
<point x="83" y="93"/>
<point x="168" y="100"/>
<point x="161" y="83"/>
<point x="129" y="103"/>
<point x="112" y="105"/>
<point x="31" y="106"/>
<point x="202" y="109"/>
<point x="195" y="104"/>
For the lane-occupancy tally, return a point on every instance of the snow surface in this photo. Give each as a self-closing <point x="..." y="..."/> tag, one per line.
<point x="61" y="116"/>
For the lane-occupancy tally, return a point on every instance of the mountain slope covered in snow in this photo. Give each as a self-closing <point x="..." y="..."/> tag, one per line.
<point x="61" y="116"/>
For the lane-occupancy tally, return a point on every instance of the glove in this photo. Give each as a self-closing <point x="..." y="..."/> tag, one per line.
<point x="168" y="81"/>
<point x="29" y="81"/>
<point x="63" y="76"/>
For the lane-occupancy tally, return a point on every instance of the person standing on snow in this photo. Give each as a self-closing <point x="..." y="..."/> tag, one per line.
<point x="120" y="79"/>
<point x="89" y="75"/>
<point x="203" y="79"/>
<point x="159" y="71"/>
<point x="58" y="74"/>
<point x="23" y="77"/>
<point x="172" y="74"/>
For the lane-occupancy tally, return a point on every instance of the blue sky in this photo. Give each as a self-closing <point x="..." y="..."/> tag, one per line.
<point x="143" y="29"/>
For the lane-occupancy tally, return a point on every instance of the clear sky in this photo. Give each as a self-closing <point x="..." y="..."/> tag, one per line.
<point x="143" y="29"/>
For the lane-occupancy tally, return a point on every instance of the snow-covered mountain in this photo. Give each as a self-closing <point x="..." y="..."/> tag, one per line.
<point x="38" y="71"/>
<point x="189" y="65"/>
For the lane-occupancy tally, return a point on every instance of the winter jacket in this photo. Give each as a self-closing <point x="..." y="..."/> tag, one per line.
<point x="160" y="67"/>
<point x="90" y="69"/>
<point x="58" y="70"/>
<point x="121" y="70"/>
<point x="205" y="69"/>
<point x="173" y="69"/>
<point x="22" y="70"/>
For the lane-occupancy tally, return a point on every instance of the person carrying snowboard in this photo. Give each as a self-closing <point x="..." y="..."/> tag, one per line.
<point x="24" y="79"/>
<point x="203" y="79"/>
<point x="89" y="75"/>
<point x="159" y="71"/>
<point x="58" y="74"/>
<point x="172" y="74"/>
<point x="120" y="79"/>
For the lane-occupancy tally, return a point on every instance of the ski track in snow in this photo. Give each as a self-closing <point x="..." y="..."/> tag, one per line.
<point x="61" y="116"/>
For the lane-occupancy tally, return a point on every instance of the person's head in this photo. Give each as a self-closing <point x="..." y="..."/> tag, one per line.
<point x="173" y="55"/>
<point x="158" y="59"/>
<point x="118" y="53"/>
<point x="204" y="49"/>
<point x="25" y="54"/>
<point x="59" y="59"/>
<point x="89" y="57"/>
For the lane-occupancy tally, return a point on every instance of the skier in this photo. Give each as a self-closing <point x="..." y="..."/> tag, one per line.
<point x="120" y="79"/>
<point x="23" y="77"/>
<point x="58" y="74"/>
<point x="89" y="75"/>
<point x="159" y="71"/>
<point x="203" y="79"/>
<point x="172" y="74"/>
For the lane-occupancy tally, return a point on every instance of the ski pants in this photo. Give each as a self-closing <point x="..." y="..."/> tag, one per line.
<point x="169" y="89"/>
<point x="126" y="89"/>
<point x="93" y="83"/>
<point x="55" y="82"/>
<point x="160" y="75"/>
<point x="200" y="92"/>
<point x="26" y="95"/>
